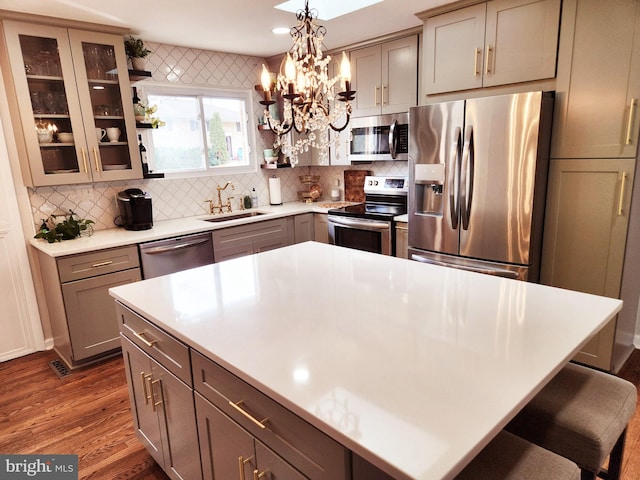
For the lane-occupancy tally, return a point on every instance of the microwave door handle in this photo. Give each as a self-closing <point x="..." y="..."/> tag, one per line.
<point x="392" y="139"/>
<point x="454" y="183"/>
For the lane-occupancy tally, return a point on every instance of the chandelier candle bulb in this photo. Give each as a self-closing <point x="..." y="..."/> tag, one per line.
<point x="345" y="71"/>
<point x="266" y="83"/>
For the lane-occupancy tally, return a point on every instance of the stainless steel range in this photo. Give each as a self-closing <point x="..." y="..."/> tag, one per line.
<point x="370" y="226"/>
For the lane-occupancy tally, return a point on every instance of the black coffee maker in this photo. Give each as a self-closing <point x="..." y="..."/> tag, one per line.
<point x="135" y="209"/>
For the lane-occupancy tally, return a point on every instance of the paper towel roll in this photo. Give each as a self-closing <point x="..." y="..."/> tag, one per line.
<point x="275" y="194"/>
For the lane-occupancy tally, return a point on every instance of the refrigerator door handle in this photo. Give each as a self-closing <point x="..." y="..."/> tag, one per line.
<point x="466" y="180"/>
<point x="454" y="184"/>
<point x="392" y="139"/>
<point x="499" y="272"/>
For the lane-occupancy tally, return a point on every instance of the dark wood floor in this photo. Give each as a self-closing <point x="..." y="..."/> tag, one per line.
<point x="88" y="413"/>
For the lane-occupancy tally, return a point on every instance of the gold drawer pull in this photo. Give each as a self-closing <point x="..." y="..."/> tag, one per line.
<point x="248" y="415"/>
<point x="241" y="462"/>
<point x="140" y="337"/>
<point x="102" y="264"/>
<point x="258" y="475"/>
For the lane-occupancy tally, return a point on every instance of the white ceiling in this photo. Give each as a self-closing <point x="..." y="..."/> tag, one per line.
<point x="234" y="26"/>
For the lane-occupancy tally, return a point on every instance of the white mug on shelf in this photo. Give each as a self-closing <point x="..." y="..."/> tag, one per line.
<point x="113" y="134"/>
<point x="100" y="133"/>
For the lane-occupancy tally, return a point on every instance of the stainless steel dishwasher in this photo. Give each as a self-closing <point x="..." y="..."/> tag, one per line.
<point x="162" y="257"/>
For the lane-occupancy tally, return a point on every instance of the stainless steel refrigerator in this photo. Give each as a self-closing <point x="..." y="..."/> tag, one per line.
<point x="477" y="183"/>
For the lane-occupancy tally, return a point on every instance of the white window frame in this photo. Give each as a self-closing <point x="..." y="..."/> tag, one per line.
<point x="145" y="89"/>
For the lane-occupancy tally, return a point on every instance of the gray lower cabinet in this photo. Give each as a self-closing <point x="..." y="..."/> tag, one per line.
<point x="81" y="312"/>
<point x="321" y="227"/>
<point x="242" y="429"/>
<point x="227" y="449"/>
<point x="161" y="400"/>
<point x="200" y="421"/>
<point x="234" y="242"/>
<point x="304" y="227"/>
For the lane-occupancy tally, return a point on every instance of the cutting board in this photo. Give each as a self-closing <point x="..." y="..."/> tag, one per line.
<point x="354" y="185"/>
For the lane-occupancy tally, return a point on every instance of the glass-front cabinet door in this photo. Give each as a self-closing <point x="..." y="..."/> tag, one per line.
<point x="107" y="109"/>
<point x="73" y="100"/>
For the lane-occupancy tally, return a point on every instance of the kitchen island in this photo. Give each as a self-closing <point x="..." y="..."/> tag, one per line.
<point x="411" y="367"/>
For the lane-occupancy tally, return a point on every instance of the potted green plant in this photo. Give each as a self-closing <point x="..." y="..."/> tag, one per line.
<point x="71" y="227"/>
<point x="136" y="51"/>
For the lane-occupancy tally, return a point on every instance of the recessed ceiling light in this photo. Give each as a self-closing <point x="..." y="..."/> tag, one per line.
<point x="328" y="9"/>
<point x="281" y="30"/>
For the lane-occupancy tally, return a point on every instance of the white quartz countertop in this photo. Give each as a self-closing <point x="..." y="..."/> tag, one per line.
<point x="414" y="367"/>
<point x="117" y="237"/>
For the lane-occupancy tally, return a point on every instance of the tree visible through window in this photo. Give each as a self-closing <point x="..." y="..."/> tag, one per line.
<point x="204" y="131"/>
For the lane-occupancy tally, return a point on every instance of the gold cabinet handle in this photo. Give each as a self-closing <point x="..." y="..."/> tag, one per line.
<point x="632" y="111"/>
<point x="84" y="160"/>
<point x="383" y="89"/>
<point x="236" y="406"/>
<point x="154" y="404"/>
<point x="487" y="60"/>
<point x="375" y="95"/>
<point x="475" y="62"/>
<point x="97" y="159"/>
<point x="623" y="181"/>
<point x="145" y="391"/>
<point x="241" y="463"/>
<point x="102" y="264"/>
<point x="140" y="337"/>
<point x="258" y="475"/>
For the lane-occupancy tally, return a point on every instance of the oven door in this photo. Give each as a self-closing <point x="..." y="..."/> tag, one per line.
<point x="361" y="233"/>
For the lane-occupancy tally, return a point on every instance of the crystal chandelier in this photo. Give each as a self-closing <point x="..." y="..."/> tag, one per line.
<point x="311" y="107"/>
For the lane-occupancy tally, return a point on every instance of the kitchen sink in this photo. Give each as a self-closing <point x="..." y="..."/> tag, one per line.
<point x="237" y="216"/>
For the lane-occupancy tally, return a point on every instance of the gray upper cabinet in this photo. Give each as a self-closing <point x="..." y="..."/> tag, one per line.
<point x="71" y="82"/>
<point x="385" y="77"/>
<point x="495" y="43"/>
<point x="598" y="83"/>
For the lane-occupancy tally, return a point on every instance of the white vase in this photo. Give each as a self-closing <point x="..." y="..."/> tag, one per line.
<point x="138" y="63"/>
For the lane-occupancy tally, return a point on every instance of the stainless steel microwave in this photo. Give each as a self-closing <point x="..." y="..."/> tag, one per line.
<point x="381" y="137"/>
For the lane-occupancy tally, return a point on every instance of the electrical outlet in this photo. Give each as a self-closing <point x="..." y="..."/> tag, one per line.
<point x="81" y="192"/>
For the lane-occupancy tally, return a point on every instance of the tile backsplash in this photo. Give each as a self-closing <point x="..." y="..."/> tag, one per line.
<point x="183" y="197"/>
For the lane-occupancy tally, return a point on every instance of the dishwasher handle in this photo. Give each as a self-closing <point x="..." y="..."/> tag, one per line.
<point x="172" y="248"/>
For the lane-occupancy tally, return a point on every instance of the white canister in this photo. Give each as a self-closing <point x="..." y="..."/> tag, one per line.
<point x="275" y="193"/>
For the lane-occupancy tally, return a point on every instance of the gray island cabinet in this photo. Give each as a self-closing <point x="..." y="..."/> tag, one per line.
<point x="319" y="362"/>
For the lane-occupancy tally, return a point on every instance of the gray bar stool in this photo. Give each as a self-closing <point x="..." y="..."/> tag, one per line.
<point x="508" y="457"/>
<point x="581" y="414"/>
